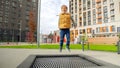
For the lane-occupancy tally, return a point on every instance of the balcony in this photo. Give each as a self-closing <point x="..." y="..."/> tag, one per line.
<point x="99" y="12"/>
<point x="101" y="29"/>
<point x="98" y="6"/>
<point x="89" y="30"/>
<point x="111" y="29"/>
<point x="76" y="32"/>
<point x="80" y="13"/>
<point x="99" y="17"/>
<point x="99" y="23"/>
<point x="111" y="1"/>
<point x="98" y="1"/>
<point x="80" y="24"/>
<point x="80" y="8"/>
<point x="79" y="3"/>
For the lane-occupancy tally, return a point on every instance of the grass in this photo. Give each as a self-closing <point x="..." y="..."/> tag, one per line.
<point x="95" y="47"/>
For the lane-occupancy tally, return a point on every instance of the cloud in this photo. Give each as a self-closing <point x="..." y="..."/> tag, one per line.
<point x="49" y="10"/>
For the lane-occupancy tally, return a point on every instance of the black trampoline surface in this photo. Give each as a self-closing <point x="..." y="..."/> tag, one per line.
<point x="64" y="61"/>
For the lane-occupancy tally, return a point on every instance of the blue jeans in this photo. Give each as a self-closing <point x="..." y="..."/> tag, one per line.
<point x="64" y="32"/>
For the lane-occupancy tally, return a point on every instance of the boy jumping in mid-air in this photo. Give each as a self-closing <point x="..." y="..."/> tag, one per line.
<point x="64" y="26"/>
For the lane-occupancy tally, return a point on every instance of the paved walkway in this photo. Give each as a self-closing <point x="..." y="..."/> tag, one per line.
<point x="11" y="58"/>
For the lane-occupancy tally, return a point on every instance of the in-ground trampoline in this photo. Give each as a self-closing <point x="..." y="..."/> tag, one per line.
<point x="64" y="61"/>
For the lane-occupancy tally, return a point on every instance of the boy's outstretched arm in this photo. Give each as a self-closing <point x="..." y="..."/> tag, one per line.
<point x="58" y="23"/>
<point x="73" y="22"/>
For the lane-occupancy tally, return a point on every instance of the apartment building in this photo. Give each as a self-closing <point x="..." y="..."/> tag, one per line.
<point x="96" y="18"/>
<point x="9" y="20"/>
<point x="27" y="6"/>
<point x="14" y="17"/>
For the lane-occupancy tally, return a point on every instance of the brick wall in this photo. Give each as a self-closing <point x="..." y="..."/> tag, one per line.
<point x="103" y="40"/>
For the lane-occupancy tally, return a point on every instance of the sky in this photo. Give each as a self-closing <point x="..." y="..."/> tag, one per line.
<point x="49" y="11"/>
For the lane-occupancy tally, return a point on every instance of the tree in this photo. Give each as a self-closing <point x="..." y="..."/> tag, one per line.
<point x="50" y="36"/>
<point x="32" y="26"/>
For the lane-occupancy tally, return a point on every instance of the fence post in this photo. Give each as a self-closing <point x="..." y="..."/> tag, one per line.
<point x="88" y="47"/>
<point x="82" y="45"/>
<point x="118" y="46"/>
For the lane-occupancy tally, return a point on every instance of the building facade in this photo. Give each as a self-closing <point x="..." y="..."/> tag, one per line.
<point x="96" y="18"/>
<point x="14" y="17"/>
<point x="9" y="20"/>
<point x="27" y="6"/>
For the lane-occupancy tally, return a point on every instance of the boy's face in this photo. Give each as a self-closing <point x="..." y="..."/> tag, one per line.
<point x="64" y="9"/>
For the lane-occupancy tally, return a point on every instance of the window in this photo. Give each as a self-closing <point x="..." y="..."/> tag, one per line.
<point x="0" y="31"/>
<point x="112" y="6"/>
<point x="89" y="4"/>
<point x="99" y="20"/>
<point x="107" y="29"/>
<point x="94" y="16"/>
<point x="34" y="4"/>
<point x="75" y="18"/>
<point x="119" y="6"/>
<point x="105" y="20"/>
<point x="27" y="12"/>
<point x="7" y="2"/>
<point x="111" y="0"/>
<point x="13" y="4"/>
<point x="84" y="7"/>
<point x="113" y="28"/>
<point x="89" y="18"/>
<point x="84" y="19"/>
<point x="80" y="31"/>
<point x="1" y="12"/>
<point x="2" y="1"/>
<point x="1" y="7"/>
<point x="12" y="25"/>
<point x="6" y="21"/>
<point x="27" y="17"/>
<point x="85" y="23"/>
<point x="112" y="18"/>
<point x="112" y="12"/>
<point x="99" y="15"/>
<point x="84" y="1"/>
<point x="75" y="6"/>
<point x="105" y="9"/>
<point x="105" y="14"/>
<point x="7" y="7"/>
<point x="93" y="3"/>
<point x="6" y="15"/>
<point x="99" y="4"/>
<point x="104" y="2"/>
<point x="33" y="0"/>
<point x="6" y="24"/>
<point x="97" y="30"/>
<point x="84" y="4"/>
<point x="105" y="17"/>
<point x="94" y="21"/>
<point x="99" y="9"/>
<point x="0" y="19"/>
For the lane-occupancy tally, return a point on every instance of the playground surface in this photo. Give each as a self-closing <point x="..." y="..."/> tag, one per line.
<point x="11" y="58"/>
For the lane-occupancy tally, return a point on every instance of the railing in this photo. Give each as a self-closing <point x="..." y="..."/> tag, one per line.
<point x="98" y="1"/>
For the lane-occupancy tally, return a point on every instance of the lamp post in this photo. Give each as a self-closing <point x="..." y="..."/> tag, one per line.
<point x="20" y="32"/>
<point x="38" y="23"/>
<point x="13" y="34"/>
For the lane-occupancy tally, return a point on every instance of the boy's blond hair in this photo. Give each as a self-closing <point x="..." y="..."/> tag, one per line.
<point x="64" y="6"/>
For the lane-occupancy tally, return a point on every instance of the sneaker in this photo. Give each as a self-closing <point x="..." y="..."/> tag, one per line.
<point x="68" y="49"/>
<point x="60" y="49"/>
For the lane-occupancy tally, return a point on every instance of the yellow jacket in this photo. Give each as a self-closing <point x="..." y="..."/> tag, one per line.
<point x="64" y="21"/>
